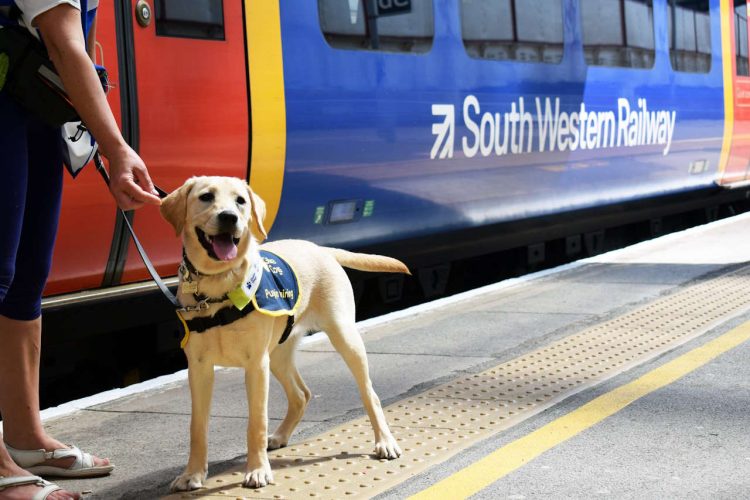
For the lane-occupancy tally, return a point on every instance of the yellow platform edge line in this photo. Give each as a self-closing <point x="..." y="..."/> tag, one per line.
<point x="514" y="455"/>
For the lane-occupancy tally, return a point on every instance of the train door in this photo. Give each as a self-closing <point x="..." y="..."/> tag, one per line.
<point x="738" y="162"/>
<point x="189" y="106"/>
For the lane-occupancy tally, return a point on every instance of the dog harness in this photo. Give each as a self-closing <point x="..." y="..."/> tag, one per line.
<point x="272" y="292"/>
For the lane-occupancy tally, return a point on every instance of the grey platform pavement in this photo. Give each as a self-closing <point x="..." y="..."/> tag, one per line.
<point x="146" y="433"/>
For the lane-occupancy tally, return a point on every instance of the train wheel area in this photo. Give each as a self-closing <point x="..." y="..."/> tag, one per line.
<point x="619" y="375"/>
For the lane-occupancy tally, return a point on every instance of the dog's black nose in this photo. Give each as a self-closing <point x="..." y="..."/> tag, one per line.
<point x="227" y="219"/>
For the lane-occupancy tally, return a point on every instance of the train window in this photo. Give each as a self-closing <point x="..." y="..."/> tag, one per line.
<point x="497" y="29"/>
<point x="202" y="19"/>
<point x="690" y="35"/>
<point x="740" y="37"/>
<point x="623" y="37"/>
<point x="387" y="25"/>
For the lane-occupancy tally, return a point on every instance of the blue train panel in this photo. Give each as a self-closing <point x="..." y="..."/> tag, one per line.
<point x="406" y="144"/>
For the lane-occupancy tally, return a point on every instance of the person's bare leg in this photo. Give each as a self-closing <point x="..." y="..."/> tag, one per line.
<point x="19" y="389"/>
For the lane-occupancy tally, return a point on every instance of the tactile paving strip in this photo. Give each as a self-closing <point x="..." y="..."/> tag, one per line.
<point x="435" y="425"/>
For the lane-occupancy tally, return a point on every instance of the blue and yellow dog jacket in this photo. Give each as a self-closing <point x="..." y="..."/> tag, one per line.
<point x="277" y="294"/>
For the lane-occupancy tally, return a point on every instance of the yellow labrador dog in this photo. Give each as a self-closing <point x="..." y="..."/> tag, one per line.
<point x="220" y="221"/>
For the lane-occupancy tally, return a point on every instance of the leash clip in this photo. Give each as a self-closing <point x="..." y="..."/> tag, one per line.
<point x="183" y="270"/>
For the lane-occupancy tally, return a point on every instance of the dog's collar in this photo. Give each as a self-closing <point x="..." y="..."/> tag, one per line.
<point x="240" y="296"/>
<point x="189" y="267"/>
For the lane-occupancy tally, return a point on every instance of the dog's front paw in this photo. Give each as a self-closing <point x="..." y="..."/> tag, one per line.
<point x="387" y="448"/>
<point x="275" y="442"/>
<point x="258" y="478"/>
<point x="187" y="481"/>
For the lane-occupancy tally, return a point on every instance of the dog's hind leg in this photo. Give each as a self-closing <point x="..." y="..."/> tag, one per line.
<point x="298" y="395"/>
<point x="347" y="341"/>
<point x="201" y="379"/>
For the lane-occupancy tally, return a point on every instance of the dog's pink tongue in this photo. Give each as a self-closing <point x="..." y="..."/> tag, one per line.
<point x="224" y="247"/>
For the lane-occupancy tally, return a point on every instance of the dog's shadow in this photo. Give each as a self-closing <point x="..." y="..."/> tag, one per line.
<point x="134" y="489"/>
<point x="281" y="463"/>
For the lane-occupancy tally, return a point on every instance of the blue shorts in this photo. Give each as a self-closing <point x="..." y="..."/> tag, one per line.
<point x="30" y="192"/>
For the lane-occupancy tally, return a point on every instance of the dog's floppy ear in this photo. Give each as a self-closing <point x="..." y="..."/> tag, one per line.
<point x="174" y="206"/>
<point x="258" y="208"/>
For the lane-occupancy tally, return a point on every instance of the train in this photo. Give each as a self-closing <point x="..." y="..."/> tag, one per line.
<point x="429" y="130"/>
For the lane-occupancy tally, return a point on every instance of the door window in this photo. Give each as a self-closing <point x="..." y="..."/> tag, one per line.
<point x="203" y="19"/>
<point x="740" y="37"/>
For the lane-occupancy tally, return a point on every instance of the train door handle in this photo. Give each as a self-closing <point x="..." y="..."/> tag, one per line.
<point x="143" y="13"/>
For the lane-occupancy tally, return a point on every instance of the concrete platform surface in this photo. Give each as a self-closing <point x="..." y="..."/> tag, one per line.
<point x="146" y="433"/>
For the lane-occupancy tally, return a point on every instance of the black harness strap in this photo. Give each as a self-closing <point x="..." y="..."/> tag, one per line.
<point x="222" y="317"/>
<point x="229" y="315"/>
<point x="287" y="330"/>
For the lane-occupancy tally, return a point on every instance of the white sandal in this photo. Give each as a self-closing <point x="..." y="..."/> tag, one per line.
<point x="47" y="487"/>
<point x="33" y="461"/>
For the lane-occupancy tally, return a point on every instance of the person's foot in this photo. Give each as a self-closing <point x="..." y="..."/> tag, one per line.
<point x="26" y="491"/>
<point x="50" y="444"/>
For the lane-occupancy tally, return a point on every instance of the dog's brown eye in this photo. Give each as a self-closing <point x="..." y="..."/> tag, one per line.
<point x="240" y="200"/>
<point x="206" y="197"/>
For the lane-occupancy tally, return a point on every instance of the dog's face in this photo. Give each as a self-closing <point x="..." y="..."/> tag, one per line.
<point x="219" y="219"/>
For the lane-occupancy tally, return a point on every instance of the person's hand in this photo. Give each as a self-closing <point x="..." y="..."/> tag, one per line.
<point x="129" y="181"/>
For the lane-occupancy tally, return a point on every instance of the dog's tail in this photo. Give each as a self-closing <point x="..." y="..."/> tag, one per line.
<point x="367" y="262"/>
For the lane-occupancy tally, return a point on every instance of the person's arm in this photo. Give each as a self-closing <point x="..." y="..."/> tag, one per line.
<point x="61" y="31"/>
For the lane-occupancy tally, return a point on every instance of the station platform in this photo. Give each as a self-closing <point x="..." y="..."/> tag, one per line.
<point x="624" y="375"/>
